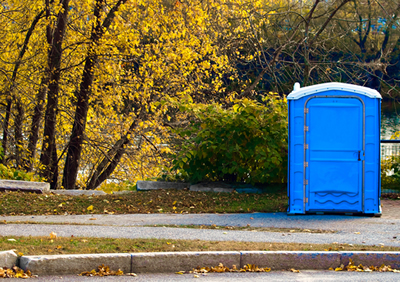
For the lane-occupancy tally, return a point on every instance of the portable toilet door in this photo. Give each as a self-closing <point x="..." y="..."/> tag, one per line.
<point x="334" y="149"/>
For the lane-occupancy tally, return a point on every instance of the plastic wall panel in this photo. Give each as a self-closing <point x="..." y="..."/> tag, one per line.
<point x="296" y="157"/>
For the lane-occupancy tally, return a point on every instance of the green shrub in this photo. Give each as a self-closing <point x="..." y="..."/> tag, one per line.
<point x="390" y="172"/>
<point x="244" y="143"/>
<point x="1" y="152"/>
<point x="14" y="174"/>
<point x="116" y="187"/>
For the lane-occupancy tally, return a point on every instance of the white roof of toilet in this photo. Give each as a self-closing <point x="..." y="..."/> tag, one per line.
<point x="298" y="92"/>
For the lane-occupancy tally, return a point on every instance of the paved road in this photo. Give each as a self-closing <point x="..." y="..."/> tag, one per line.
<point x="281" y="276"/>
<point x="349" y="229"/>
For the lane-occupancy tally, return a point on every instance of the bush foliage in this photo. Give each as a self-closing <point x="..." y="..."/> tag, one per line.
<point x="390" y="172"/>
<point x="15" y="174"/>
<point x="243" y="143"/>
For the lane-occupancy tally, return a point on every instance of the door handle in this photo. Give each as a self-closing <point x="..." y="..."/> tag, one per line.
<point x="361" y="156"/>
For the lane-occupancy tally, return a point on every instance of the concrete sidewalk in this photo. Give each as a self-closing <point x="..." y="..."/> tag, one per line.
<point x="348" y="229"/>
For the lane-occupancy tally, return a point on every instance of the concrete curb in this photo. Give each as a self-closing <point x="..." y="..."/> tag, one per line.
<point x="8" y="259"/>
<point x="142" y="185"/>
<point x="217" y="187"/>
<point x="159" y="262"/>
<point x="74" y="264"/>
<point x="291" y="259"/>
<point x="181" y="261"/>
<point x="79" y="192"/>
<point x="26" y="186"/>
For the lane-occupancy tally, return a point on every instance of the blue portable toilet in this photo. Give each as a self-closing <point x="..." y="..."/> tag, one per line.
<point x="334" y="149"/>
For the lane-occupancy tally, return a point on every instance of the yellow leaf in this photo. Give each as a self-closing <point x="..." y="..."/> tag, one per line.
<point x="53" y="235"/>
<point x="180" y="272"/>
<point x="90" y="208"/>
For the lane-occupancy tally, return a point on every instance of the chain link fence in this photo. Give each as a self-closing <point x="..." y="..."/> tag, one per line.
<point x="390" y="166"/>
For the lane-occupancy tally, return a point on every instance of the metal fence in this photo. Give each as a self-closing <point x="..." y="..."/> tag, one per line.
<point x="390" y="158"/>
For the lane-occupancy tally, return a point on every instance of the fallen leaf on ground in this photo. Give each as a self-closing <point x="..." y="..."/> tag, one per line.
<point x="221" y="268"/>
<point x="295" y="270"/>
<point x="102" y="271"/>
<point x="14" y="272"/>
<point x="360" y="268"/>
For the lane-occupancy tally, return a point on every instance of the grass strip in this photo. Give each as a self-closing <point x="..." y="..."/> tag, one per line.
<point x="81" y="245"/>
<point x="156" y="201"/>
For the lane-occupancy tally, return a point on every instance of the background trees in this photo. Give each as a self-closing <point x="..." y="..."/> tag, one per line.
<point x="90" y="88"/>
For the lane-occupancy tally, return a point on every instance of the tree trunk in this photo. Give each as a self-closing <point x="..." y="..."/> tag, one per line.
<point x="40" y="97"/>
<point x="10" y="98"/>
<point x="5" y="129"/>
<point x="19" y="145"/>
<point x="34" y="129"/>
<point x="77" y="135"/>
<point x="48" y="157"/>
<point x="78" y="129"/>
<point x="111" y="159"/>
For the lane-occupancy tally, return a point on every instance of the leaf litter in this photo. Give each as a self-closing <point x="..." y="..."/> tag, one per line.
<point x="104" y="271"/>
<point x="361" y="268"/>
<point x="15" y="272"/>
<point x="222" y="268"/>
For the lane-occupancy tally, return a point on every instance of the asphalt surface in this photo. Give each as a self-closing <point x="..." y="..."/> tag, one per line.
<point x="349" y="229"/>
<point x="280" y="276"/>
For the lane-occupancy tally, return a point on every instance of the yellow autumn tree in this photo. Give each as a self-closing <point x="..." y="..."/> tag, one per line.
<point x="95" y="80"/>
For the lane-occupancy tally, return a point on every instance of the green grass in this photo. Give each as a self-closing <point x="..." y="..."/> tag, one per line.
<point x="80" y="245"/>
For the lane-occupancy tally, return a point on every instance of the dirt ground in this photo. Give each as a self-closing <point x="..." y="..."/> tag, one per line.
<point x="390" y="209"/>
